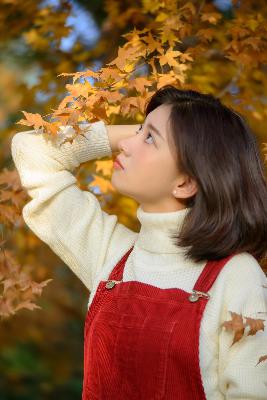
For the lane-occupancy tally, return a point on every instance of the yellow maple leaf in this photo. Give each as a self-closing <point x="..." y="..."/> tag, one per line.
<point x="104" y="166"/>
<point x="104" y="184"/>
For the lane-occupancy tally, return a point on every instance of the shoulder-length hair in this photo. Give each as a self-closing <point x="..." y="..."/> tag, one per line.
<point x="215" y="147"/>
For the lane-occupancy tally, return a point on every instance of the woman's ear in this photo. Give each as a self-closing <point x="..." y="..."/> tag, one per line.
<point x="185" y="188"/>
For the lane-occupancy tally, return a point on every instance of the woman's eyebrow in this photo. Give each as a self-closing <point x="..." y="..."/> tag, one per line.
<point x="149" y="125"/>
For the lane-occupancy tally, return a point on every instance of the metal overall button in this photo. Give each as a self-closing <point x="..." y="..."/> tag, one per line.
<point x="111" y="283"/>
<point x="196" y="294"/>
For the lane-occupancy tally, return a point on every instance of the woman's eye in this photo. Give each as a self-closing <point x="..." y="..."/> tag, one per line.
<point x="149" y="134"/>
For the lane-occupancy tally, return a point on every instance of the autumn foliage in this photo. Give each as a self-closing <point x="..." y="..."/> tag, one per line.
<point x="192" y="46"/>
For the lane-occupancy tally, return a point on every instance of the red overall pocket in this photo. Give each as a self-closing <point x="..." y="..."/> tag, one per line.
<point x="127" y="357"/>
<point x="141" y="357"/>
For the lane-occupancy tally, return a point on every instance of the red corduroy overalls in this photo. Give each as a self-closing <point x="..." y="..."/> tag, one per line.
<point x="141" y="342"/>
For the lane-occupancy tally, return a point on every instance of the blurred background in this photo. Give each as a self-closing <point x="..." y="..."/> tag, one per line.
<point x="41" y="351"/>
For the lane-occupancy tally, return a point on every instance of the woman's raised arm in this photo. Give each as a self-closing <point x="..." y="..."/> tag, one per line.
<point x="69" y="220"/>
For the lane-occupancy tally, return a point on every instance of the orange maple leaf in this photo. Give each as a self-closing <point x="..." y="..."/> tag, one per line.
<point x="255" y="325"/>
<point x="261" y="359"/>
<point x="235" y="324"/>
<point x="104" y="184"/>
<point x="34" y="120"/>
<point x="104" y="166"/>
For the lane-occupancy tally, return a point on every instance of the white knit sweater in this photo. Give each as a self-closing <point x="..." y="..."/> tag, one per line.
<point x="90" y="241"/>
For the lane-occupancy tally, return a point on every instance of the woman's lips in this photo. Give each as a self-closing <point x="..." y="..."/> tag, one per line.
<point x="118" y="163"/>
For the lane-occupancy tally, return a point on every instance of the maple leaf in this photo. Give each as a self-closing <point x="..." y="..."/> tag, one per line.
<point x="37" y="287"/>
<point x="212" y="18"/>
<point x="188" y="6"/>
<point x="255" y="325"/>
<point x="103" y="184"/>
<point x="34" y="120"/>
<point x="10" y="179"/>
<point x="206" y="34"/>
<point x="67" y="100"/>
<point x="83" y="74"/>
<point x="8" y="215"/>
<point x="152" y="43"/>
<point x="104" y="166"/>
<point x="261" y="359"/>
<point x="28" y="305"/>
<point x="236" y="325"/>
<point x="6" y="306"/>
<point x="169" y="58"/>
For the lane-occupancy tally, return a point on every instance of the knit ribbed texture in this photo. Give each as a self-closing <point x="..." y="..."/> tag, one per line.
<point x="90" y="241"/>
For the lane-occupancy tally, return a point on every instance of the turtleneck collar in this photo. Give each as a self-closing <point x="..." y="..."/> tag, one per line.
<point x="154" y="235"/>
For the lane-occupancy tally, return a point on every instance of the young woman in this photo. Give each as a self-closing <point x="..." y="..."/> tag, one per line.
<point x="159" y="297"/>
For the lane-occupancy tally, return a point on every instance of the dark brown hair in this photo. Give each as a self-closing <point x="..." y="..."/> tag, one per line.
<point x="215" y="147"/>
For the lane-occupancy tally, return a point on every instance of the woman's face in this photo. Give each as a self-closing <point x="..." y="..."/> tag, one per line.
<point x="150" y="173"/>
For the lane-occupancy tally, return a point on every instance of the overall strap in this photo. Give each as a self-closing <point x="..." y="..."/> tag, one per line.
<point x="210" y="273"/>
<point x="117" y="272"/>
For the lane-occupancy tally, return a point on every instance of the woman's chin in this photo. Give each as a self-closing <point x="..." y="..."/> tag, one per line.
<point x="116" y="183"/>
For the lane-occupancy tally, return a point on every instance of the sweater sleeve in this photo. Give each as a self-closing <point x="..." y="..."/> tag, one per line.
<point x="240" y="376"/>
<point x="69" y="220"/>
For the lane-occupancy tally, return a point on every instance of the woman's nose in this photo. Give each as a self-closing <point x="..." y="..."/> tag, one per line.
<point x="122" y="146"/>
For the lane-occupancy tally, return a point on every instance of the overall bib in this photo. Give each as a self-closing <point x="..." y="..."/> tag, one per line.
<point x="141" y="342"/>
